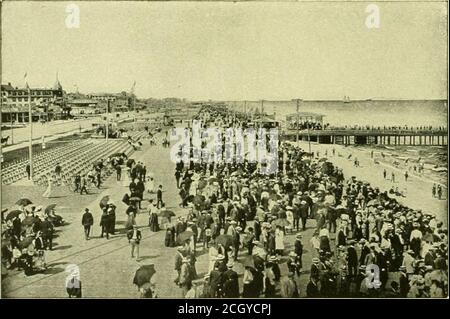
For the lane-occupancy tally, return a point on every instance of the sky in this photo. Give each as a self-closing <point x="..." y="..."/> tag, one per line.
<point x="230" y="51"/>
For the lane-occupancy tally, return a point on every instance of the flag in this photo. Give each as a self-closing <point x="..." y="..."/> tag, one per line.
<point x="25" y="80"/>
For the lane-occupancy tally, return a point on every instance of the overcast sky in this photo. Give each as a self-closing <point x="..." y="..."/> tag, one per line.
<point x="232" y="51"/>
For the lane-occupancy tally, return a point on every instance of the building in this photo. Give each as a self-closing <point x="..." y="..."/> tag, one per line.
<point x="83" y="107"/>
<point x="44" y="102"/>
<point x="102" y="96"/>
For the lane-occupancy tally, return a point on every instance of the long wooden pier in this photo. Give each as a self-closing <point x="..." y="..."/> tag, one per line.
<point x="378" y="137"/>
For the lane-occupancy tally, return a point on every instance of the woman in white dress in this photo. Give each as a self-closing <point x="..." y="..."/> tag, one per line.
<point x="279" y="240"/>
<point x="150" y="185"/>
<point x="48" y="191"/>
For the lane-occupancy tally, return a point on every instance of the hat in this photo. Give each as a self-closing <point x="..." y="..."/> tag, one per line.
<point x="233" y="222"/>
<point x="292" y="254"/>
<point x="220" y="257"/>
<point x="299" y="236"/>
<point x="273" y="258"/>
<point x="402" y="268"/>
<point x="315" y="260"/>
<point x="288" y="207"/>
<point x="238" y="228"/>
<point x="180" y="248"/>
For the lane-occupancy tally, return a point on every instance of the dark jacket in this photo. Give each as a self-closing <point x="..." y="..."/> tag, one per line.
<point x="87" y="219"/>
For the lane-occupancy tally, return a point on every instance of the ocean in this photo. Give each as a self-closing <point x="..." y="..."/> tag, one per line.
<point x="363" y="112"/>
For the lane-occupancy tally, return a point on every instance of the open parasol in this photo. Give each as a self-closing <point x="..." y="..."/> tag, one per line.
<point x="281" y="222"/>
<point x="143" y="275"/>
<point x="224" y="240"/>
<point x="28" y="221"/>
<point x="26" y="242"/>
<point x="104" y="201"/>
<point x="13" y="214"/>
<point x="49" y="208"/>
<point x="24" y="202"/>
<point x="249" y="262"/>
<point x="373" y="202"/>
<point x="166" y="213"/>
<point x="185" y="236"/>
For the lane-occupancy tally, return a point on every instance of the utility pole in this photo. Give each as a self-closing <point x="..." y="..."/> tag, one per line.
<point x="298" y="120"/>
<point x="107" y="122"/>
<point x="30" y="120"/>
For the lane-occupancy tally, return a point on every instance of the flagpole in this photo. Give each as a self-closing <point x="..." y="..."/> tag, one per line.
<point x="30" y="119"/>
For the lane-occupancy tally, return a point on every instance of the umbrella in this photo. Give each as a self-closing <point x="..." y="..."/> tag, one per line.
<point x="50" y="208"/>
<point x="13" y="214"/>
<point x="24" y="202"/>
<point x="274" y="196"/>
<point x="213" y="179"/>
<point x="340" y="209"/>
<point x="166" y="213"/>
<point x="428" y="238"/>
<point x="26" y="242"/>
<point x="224" y="240"/>
<point x="249" y="262"/>
<point x="185" y="235"/>
<point x="144" y="274"/>
<point x="373" y="202"/>
<point x="28" y="221"/>
<point x="281" y="222"/>
<point x="104" y="201"/>
<point x="202" y="184"/>
<point x="198" y="200"/>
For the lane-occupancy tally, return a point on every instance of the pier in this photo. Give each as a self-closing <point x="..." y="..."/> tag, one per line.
<point x="424" y="137"/>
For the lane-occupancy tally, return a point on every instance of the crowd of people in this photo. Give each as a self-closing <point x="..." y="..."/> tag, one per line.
<point x="27" y="232"/>
<point x="365" y="243"/>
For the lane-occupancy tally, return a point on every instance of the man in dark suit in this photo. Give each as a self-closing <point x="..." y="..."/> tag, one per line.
<point x="87" y="221"/>
<point x="312" y="289"/>
<point x="352" y="260"/>
<point x="134" y="238"/>
<point x="230" y="282"/>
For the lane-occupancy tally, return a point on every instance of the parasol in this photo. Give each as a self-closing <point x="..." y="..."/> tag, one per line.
<point x="144" y="274"/>
<point x="13" y="214"/>
<point x="224" y="240"/>
<point x="166" y="213"/>
<point x="26" y="242"/>
<point x="202" y="184"/>
<point x="198" y="200"/>
<point x="281" y="222"/>
<point x="104" y="201"/>
<point x="24" y="202"/>
<point x="213" y="179"/>
<point x="373" y="202"/>
<point x="249" y="262"/>
<point x="28" y="221"/>
<point x="49" y="208"/>
<point x="185" y="235"/>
